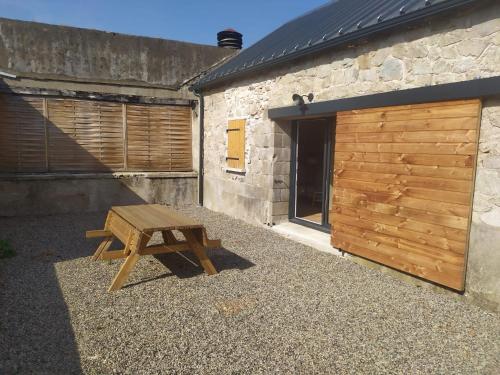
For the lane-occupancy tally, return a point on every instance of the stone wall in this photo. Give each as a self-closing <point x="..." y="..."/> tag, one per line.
<point x="461" y="46"/>
<point x="54" y="52"/>
<point x="483" y="272"/>
<point x="59" y="194"/>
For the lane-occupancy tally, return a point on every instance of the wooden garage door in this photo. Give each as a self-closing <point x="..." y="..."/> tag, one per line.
<point x="403" y="182"/>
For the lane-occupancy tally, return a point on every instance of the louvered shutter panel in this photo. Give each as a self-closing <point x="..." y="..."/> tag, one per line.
<point x="22" y="134"/>
<point x="85" y="135"/>
<point x="159" y="138"/>
<point x="236" y="144"/>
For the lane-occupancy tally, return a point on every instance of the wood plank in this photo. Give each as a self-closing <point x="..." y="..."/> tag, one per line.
<point x="362" y="199"/>
<point x="412" y="247"/>
<point x="154" y="217"/>
<point x="460" y="123"/>
<point x="452" y="245"/>
<point x="439" y="272"/>
<point x="403" y="181"/>
<point x="402" y="190"/>
<point x="436" y="112"/>
<point x="410" y="148"/>
<point x="463" y="186"/>
<point x="453" y="173"/>
<point x="98" y="233"/>
<point x="445" y="136"/>
<point x="401" y="222"/>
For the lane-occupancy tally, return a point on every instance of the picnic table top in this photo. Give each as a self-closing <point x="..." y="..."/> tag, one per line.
<point x="154" y="217"/>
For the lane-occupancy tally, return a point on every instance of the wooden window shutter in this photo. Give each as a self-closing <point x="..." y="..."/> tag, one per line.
<point x="159" y="138"/>
<point x="85" y="135"/>
<point x="236" y="144"/>
<point x="22" y="134"/>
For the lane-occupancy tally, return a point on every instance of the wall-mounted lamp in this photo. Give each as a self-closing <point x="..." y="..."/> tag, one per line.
<point x="299" y="101"/>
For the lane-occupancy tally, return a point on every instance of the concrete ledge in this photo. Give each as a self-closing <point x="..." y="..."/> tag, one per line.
<point x="96" y="176"/>
<point x="50" y="194"/>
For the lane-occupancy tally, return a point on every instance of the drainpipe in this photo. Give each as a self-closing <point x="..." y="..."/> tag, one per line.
<point x="199" y="94"/>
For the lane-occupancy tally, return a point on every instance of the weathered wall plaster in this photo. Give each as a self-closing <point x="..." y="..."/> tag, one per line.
<point x="57" y="52"/>
<point x="58" y="194"/>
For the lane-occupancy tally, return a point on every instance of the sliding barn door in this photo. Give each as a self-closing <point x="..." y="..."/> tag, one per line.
<point x="403" y="182"/>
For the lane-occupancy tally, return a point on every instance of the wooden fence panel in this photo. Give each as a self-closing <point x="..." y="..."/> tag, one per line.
<point x="22" y="134"/>
<point x="403" y="184"/>
<point x="70" y="135"/>
<point x="85" y="135"/>
<point x="159" y="138"/>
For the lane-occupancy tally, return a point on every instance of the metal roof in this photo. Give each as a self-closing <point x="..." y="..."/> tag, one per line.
<point x="332" y="24"/>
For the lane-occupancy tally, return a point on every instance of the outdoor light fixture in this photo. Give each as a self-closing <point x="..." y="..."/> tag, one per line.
<point x="298" y="99"/>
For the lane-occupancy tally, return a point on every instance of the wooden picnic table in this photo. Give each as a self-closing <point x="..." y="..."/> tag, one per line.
<point x="134" y="226"/>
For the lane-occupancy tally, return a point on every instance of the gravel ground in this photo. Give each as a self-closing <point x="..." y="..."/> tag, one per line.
<point x="276" y="307"/>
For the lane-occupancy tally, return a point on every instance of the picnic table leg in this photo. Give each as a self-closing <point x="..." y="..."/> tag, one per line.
<point x="199" y="250"/>
<point x="139" y="241"/>
<point x="168" y="237"/>
<point x="103" y="247"/>
<point x="106" y="242"/>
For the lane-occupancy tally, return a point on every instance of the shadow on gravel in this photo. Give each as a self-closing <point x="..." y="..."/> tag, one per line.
<point x="35" y="328"/>
<point x="186" y="265"/>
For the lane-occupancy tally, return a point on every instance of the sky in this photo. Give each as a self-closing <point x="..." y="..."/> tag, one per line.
<point x="196" y="21"/>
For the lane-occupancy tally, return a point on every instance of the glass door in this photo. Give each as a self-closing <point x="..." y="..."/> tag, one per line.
<point x="310" y="161"/>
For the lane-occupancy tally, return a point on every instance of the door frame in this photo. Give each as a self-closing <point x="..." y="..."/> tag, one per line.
<point x="327" y="175"/>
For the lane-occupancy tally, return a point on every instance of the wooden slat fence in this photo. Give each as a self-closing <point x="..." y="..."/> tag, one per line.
<point x="57" y="134"/>
<point x="403" y="182"/>
<point x="22" y="134"/>
<point x="159" y="138"/>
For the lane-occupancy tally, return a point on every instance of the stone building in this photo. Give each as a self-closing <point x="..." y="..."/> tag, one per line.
<point x="399" y="192"/>
<point x="58" y="83"/>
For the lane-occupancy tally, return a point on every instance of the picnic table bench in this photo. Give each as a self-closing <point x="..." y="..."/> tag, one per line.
<point x="134" y="227"/>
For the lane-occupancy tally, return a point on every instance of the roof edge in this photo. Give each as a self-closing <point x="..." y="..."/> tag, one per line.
<point x="321" y="47"/>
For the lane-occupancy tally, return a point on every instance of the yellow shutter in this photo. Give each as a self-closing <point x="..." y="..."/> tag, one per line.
<point x="236" y="144"/>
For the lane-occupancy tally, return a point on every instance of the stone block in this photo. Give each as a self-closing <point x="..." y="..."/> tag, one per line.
<point x="282" y="154"/>
<point x="285" y="195"/>
<point x="280" y="208"/>
<point x="491" y="217"/>
<point x="281" y="168"/>
<point x="392" y="69"/>
<point x="471" y="47"/>
<point x="421" y="66"/>
<point x="488" y="182"/>
<point x="364" y="62"/>
<point x="492" y="162"/>
<point x="281" y="182"/>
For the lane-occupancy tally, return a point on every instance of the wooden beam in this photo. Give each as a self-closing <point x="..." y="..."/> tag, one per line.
<point x="115" y="254"/>
<point x="125" y="146"/>
<point x="162" y="249"/>
<point x="98" y="233"/>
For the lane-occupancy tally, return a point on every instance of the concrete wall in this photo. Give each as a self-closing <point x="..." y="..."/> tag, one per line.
<point x="54" y="52"/>
<point x="457" y="47"/>
<point x="58" y="194"/>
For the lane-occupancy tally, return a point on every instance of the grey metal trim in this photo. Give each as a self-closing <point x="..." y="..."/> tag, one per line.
<point x="477" y="88"/>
